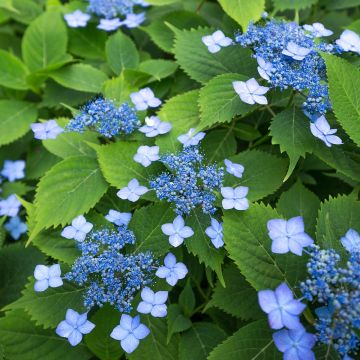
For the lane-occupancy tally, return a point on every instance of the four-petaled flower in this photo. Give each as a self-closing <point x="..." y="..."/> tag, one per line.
<point x="296" y="51"/>
<point x="233" y="168"/>
<point x="47" y="276"/>
<point x="349" y="41"/>
<point x="155" y="127"/>
<point x="282" y="309"/>
<point x="13" y="170"/>
<point x="15" y="227"/>
<point x="109" y="24"/>
<point x="146" y="155"/>
<point x="321" y="129"/>
<point x="77" y="19"/>
<point x="133" y="191"/>
<point x="10" y="206"/>
<point x="130" y="332"/>
<point x="351" y="240"/>
<point x="191" y="138"/>
<point x="78" y="229"/>
<point x="47" y="130"/>
<point x="153" y="303"/>
<point x="251" y="92"/>
<point x="288" y="235"/>
<point x="133" y="20"/>
<point x="74" y="326"/>
<point x="118" y="218"/>
<point x="144" y="99"/>
<point x="215" y="233"/>
<point x="295" y="344"/>
<point x="318" y="30"/>
<point x="235" y="198"/>
<point x="216" y="41"/>
<point x="264" y="68"/>
<point x="177" y="231"/>
<point x="171" y="271"/>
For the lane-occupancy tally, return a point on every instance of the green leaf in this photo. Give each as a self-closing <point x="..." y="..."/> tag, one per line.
<point x="162" y="2"/>
<point x="158" y="68"/>
<point x="71" y="188"/>
<point x="187" y="300"/>
<point x="344" y="82"/>
<point x="336" y="217"/>
<point x="12" y="71"/>
<point x="15" y="120"/>
<point x="299" y="201"/>
<point x="237" y="298"/>
<point x="253" y="341"/>
<point x="19" y="188"/>
<point x="81" y="77"/>
<point x="243" y="11"/>
<point x="25" y="11"/>
<point x="281" y="5"/>
<point x="176" y="321"/>
<point x="195" y="59"/>
<point x="247" y="241"/>
<point x="291" y="130"/>
<point x="343" y="4"/>
<point x="118" y="89"/>
<point x="22" y="340"/>
<point x="197" y="342"/>
<point x="183" y="113"/>
<point x="38" y="162"/>
<point x="45" y="41"/>
<point x="200" y="245"/>
<point x="259" y="174"/>
<point x="146" y="225"/>
<point x="99" y="341"/>
<point x="219" y="102"/>
<point x="16" y="264"/>
<point x="121" y="53"/>
<point x="72" y="144"/>
<point x="48" y="308"/>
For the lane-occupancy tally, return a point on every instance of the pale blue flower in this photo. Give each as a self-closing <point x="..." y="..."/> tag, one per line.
<point x="235" y="198"/>
<point x="282" y="309"/>
<point x="296" y="51"/>
<point x="177" y="231"/>
<point x="109" y="24"/>
<point x="155" y="127"/>
<point x="47" y="276"/>
<point x="153" y="303"/>
<point x="146" y="155"/>
<point x="130" y="332"/>
<point x="295" y="344"/>
<point x="15" y="227"/>
<point x="321" y="129"/>
<point x="74" y="326"/>
<point x="144" y="99"/>
<point x="78" y="229"/>
<point x="351" y="240"/>
<point x="288" y="235"/>
<point x="318" y="30"/>
<point x="191" y="138"/>
<point x="133" y="20"/>
<point x="132" y="192"/>
<point x="251" y="92"/>
<point x="171" y="271"/>
<point x="349" y="41"/>
<point x="77" y="19"/>
<point x="141" y="3"/>
<point x="233" y="168"/>
<point x="47" y="130"/>
<point x="13" y="170"/>
<point x="215" y="233"/>
<point x="118" y="218"/>
<point x="264" y="68"/>
<point x="10" y="206"/>
<point x="216" y="41"/>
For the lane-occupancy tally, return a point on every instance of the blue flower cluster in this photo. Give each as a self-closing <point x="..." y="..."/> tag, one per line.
<point x="111" y="8"/>
<point x="189" y="183"/>
<point x="338" y="289"/>
<point x="103" y="116"/>
<point x="288" y="58"/>
<point x="111" y="277"/>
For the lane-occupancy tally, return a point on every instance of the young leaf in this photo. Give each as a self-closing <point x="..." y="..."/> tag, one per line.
<point x="158" y="68"/>
<point x="176" y="321"/>
<point x="12" y="71"/>
<point x="187" y="299"/>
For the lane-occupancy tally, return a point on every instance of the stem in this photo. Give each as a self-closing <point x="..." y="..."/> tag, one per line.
<point x="290" y="99"/>
<point x="260" y="141"/>
<point x="200" y="6"/>
<point x="296" y="18"/>
<point x="270" y="110"/>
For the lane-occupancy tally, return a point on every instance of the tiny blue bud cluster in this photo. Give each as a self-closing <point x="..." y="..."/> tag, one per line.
<point x="307" y="75"/>
<point x="110" y="8"/>
<point x="189" y="183"/>
<point x="103" y="116"/>
<point x="338" y="289"/>
<point x="109" y="276"/>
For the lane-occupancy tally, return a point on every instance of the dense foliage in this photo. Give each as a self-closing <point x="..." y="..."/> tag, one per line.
<point x="179" y="179"/>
